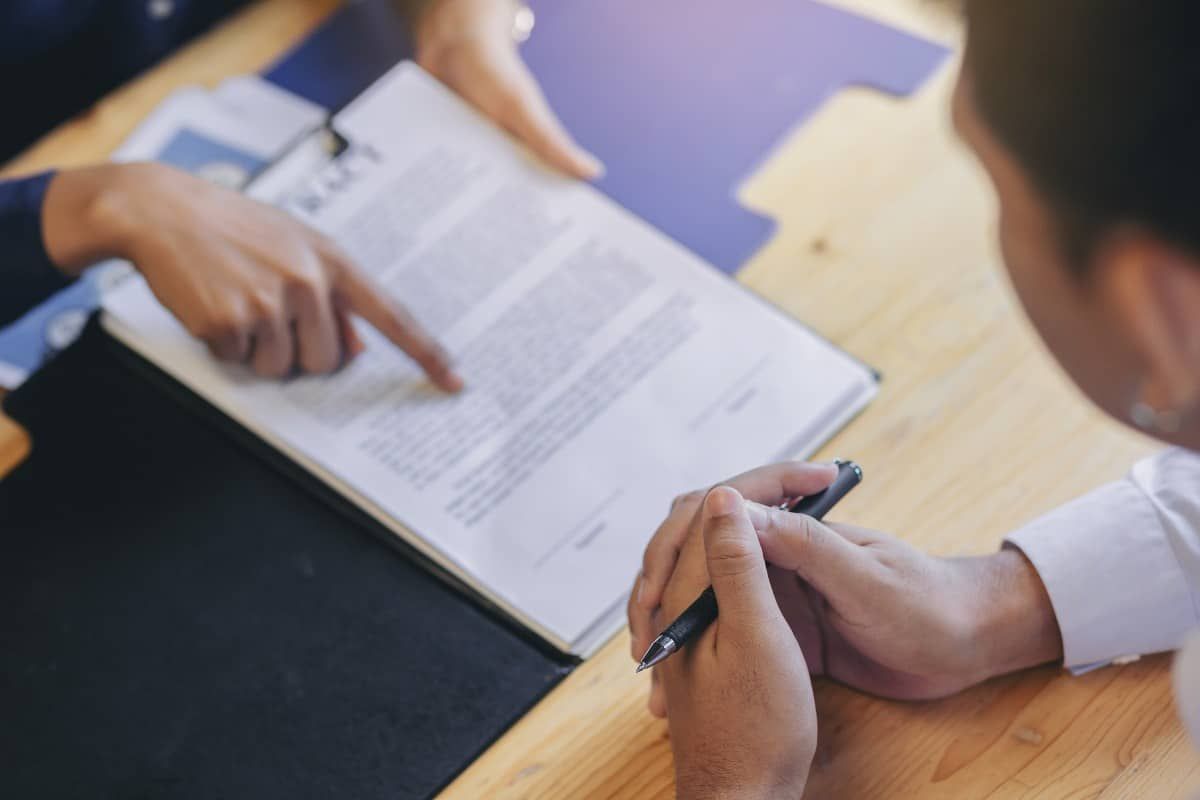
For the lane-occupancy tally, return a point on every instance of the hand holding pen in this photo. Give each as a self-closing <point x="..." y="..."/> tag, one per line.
<point x="743" y="721"/>
<point x="703" y="612"/>
<point x="867" y="608"/>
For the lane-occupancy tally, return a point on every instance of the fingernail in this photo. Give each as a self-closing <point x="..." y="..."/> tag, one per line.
<point x="641" y="592"/>
<point x="722" y="501"/>
<point x="453" y="383"/>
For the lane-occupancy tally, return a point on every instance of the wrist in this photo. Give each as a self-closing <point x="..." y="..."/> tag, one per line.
<point x="704" y="784"/>
<point x="87" y="215"/>
<point x="442" y="26"/>
<point x="701" y="790"/>
<point x="1015" y="624"/>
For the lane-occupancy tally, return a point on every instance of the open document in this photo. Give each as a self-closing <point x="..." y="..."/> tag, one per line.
<point x="608" y="369"/>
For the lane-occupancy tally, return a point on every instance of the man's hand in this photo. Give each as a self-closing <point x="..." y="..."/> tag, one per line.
<point x="867" y="609"/>
<point x="742" y="719"/>
<point x="881" y="616"/>
<point x="256" y="285"/>
<point x="775" y="485"/>
<point x="469" y="46"/>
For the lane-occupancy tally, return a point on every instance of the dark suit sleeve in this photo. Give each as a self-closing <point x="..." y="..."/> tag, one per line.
<point x="411" y="9"/>
<point x="27" y="276"/>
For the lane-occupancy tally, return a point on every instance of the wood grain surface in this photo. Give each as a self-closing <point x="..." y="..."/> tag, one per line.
<point x="886" y="247"/>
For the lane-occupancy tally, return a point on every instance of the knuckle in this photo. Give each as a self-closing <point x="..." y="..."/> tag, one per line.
<point x="232" y="324"/>
<point x="656" y="571"/>
<point x="202" y="328"/>
<point x="687" y="499"/>
<point x="215" y="329"/>
<point x="654" y="567"/>
<point x="272" y="368"/>
<point x="729" y="556"/>
<point x="308" y="291"/>
<point x="768" y="521"/>
<point x="266" y="305"/>
<point x="664" y="546"/>
<point x="649" y="560"/>
<point x="321" y="363"/>
<point x="335" y="257"/>
<point x="779" y="521"/>
<point x="306" y="275"/>
<point x="806" y="527"/>
<point x="222" y="333"/>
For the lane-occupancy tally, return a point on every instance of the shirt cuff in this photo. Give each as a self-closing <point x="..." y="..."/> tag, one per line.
<point x="26" y="271"/>
<point x="1187" y="686"/>
<point x="1113" y="578"/>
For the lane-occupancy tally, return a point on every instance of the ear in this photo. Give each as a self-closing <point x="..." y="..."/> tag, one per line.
<point x="1153" y="290"/>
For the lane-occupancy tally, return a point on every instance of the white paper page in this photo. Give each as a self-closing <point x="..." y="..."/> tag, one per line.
<point x="246" y="114"/>
<point x="608" y="368"/>
<point x="275" y="115"/>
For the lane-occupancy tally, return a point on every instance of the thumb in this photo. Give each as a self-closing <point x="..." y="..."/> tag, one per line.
<point x="820" y="555"/>
<point x="530" y="119"/>
<point x="735" y="559"/>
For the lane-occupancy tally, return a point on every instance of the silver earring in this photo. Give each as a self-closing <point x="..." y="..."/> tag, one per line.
<point x="1149" y="418"/>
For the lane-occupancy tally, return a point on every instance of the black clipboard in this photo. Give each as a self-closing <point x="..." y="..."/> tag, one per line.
<point x="185" y="614"/>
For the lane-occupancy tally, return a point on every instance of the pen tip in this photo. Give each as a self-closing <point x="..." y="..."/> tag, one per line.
<point x="640" y="667"/>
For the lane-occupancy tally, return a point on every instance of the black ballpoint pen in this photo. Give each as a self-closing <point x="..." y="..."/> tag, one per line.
<point x="702" y="613"/>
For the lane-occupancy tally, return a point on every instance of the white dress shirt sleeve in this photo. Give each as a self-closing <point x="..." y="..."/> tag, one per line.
<point x="1187" y="685"/>
<point x="1122" y="564"/>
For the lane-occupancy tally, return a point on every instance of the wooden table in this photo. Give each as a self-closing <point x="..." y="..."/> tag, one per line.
<point x="886" y="246"/>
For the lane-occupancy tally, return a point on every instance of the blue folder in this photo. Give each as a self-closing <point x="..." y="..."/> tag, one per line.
<point x="680" y="98"/>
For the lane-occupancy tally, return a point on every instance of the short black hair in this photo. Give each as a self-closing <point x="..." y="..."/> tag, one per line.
<point x="1099" y="101"/>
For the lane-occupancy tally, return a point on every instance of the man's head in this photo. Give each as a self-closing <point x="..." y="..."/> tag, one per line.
<point x="1086" y="116"/>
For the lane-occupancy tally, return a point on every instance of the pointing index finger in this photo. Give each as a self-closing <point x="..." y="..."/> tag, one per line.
<point x="395" y="322"/>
